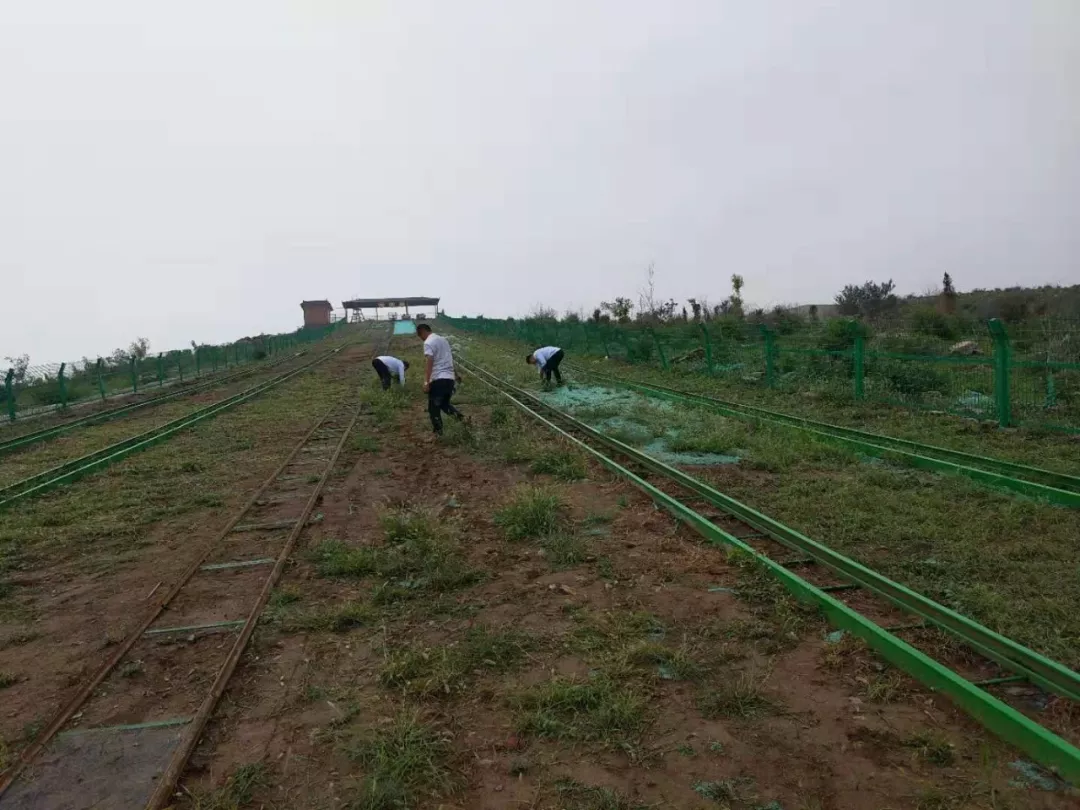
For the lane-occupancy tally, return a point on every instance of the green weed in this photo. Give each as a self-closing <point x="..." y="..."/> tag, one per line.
<point x="531" y="512"/>
<point x="597" y="710"/>
<point x="238" y="791"/>
<point x="565" y="465"/>
<point x="565" y="550"/>
<point x="405" y="765"/>
<point x="740" y="697"/>
<point x="450" y="669"/>
<point x="8" y="679"/>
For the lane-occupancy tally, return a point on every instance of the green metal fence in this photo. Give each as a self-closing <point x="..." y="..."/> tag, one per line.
<point x="29" y="390"/>
<point x="1022" y="375"/>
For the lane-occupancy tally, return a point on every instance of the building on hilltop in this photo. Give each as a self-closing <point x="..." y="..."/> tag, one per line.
<point x="317" y="313"/>
<point x="358" y="305"/>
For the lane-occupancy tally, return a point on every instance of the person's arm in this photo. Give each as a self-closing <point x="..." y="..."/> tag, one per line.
<point x="401" y="373"/>
<point x="429" y="362"/>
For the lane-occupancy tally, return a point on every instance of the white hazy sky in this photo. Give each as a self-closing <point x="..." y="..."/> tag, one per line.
<point x="193" y="170"/>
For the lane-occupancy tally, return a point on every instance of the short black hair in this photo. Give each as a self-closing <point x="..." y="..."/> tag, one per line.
<point x="405" y="363"/>
<point x="422" y="327"/>
<point x="528" y="357"/>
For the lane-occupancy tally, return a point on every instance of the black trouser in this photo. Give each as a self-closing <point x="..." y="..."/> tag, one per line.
<point x="384" y="373"/>
<point x="438" y="402"/>
<point x="552" y="367"/>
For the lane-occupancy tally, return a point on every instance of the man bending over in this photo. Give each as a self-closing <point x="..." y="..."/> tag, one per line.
<point x="547" y="362"/>
<point x="387" y="367"/>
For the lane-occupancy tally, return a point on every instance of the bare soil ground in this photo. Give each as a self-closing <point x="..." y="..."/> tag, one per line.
<point x="492" y="622"/>
<point x="78" y="566"/>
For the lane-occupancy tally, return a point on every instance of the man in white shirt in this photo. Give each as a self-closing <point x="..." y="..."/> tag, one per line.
<point x="439" y="376"/>
<point x="386" y="366"/>
<point x="547" y="362"/>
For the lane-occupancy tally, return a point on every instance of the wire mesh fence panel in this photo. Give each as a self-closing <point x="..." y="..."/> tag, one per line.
<point x="28" y="390"/>
<point x="1025" y="375"/>
<point x="1044" y="383"/>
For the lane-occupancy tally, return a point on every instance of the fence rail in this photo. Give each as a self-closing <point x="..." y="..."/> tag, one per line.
<point x="32" y="390"/>
<point x="1021" y="375"/>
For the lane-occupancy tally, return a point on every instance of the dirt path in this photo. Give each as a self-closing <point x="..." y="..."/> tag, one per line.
<point x="419" y="655"/>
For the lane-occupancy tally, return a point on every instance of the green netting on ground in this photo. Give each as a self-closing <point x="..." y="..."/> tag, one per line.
<point x="404" y="328"/>
<point x="618" y="414"/>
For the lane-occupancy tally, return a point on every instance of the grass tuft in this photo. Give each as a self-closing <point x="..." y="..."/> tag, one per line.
<point x="448" y="670"/>
<point x="405" y="764"/>
<point x="597" y="710"/>
<point x="577" y="796"/>
<point x="238" y="790"/>
<point x="566" y="465"/>
<point x="740" y="697"/>
<point x="531" y="512"/>
<point x="932" y="747"/>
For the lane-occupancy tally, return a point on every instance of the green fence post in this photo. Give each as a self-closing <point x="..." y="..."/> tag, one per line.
<point x="1002" y="369"/>
<point x="180" y="366"/>
<point x="213" y="358"/>
<point x="134" y="375"/>
<point x="63" y="386"/>
<point x="160" y="370"/>
<point x="858" y="357"/>
<point x="198" y="369"/>
<point x="767" y="337"/>
<point x="9" y="392"/>
<point x="706" y="341"/>
<point x="659" y="349"/>
<point x="101" y="378"/>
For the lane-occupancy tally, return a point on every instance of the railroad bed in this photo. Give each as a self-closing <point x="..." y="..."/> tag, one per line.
<point x="121" y="742"/>
<point x="900" y="624"/>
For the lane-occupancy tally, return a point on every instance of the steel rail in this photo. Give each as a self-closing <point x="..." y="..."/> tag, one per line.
<point x="193" y="731"/>
<point x="68" y="710"/>
<point x="98" y="417"/>
<point x="1059" y="488"/>
<point x="1040" y="743"/>
<point x="92" y="462"/>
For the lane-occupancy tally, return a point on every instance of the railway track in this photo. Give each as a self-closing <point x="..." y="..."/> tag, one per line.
<point x="123" y="740"/>
<point x="74" y="469"/>
<point x="1059" y="488"/>
<point x="900" y="624"/>
<point x="24" y="440"/>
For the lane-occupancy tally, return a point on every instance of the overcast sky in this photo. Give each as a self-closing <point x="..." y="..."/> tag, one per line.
<point x="193" y="170"/>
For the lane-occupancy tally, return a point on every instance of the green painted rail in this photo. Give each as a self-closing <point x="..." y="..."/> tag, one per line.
<point x="1035" y="482"/>
<point x="92" y="462"/>
<point x="1038" y="742"/>
<point x="119" y="412"/>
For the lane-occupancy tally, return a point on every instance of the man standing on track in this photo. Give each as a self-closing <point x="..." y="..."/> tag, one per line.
<point x="386" y="366"/>
<point x="439" y="376"/>
<point x="547" y="361"/>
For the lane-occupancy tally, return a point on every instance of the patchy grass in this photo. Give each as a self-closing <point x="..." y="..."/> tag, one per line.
<point x="932" y="747"/>
<point x="8" y="679"/>
<point x="238" y="791"/>
<point x="565" y="549"/>
<point x="741" y="697"/>
<point x="884" y="687"/>
<point x="448" y="670"/>
<point x="531" y="513"/>
<point x="564" y="464"/>
<point x="597" y="710"/>
<point x="413" y="567"/>
<point x="405" y="764"/>
<point x="577" y="796"/>
<point x="403" y="524"/>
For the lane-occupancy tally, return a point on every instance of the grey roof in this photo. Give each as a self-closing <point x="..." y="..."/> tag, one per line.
<point x="386" y="303"/>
